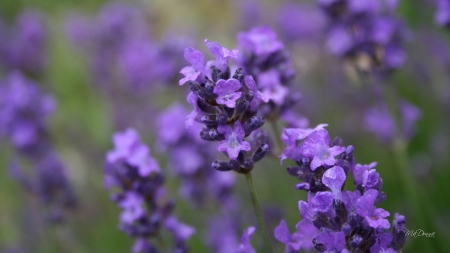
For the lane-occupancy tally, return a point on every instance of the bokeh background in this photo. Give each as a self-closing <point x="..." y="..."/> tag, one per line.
<point x="88" y="113"/>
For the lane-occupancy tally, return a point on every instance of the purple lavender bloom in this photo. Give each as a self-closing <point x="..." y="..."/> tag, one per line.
<point x="227" y="106"/>
<point x="442" y="16"/>
<point x="190" y="159"/>
<point x="263" y="56"/>
<point x="227" y="92"/>
<point x="222" y="55"/>
<point x="379" y="121"/>
<point x="365" y="32"/>
<point x="300" y="21"/>
<point x="234" y="140"/>
<point x="317" y="147"/>
<point x="301" y="239"/>
<point x="26" y="45"/>
<point x="246" y="246"/>
<point x="410" y="115"/>
<point x="141" y="194"/>
<point x="345" y="221"/>
<point x="24" y="112"/>
<point x="128" y="148"/>
<point x="194" y="72"/>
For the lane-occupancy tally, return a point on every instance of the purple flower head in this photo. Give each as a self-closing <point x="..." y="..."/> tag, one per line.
<point x="129" y="149"/>
<point x="181" y="231"/>
<point x="227" y="92"/>
<point x="194" y="72"/>
<point x="26" y="48"/>
<point x="301" y="239"/>
<point x="24" y="111"/>
<point x="269" y="83"/>
<point x="234" y="140"/>
<point x="221" y="54"/>
<point x="246" y="246"/>
<point x="317" y="147"/>
<point x="374" y="216"/>
<point x="261" y="40"/>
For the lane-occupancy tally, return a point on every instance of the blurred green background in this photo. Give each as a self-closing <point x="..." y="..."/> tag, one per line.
<point x="82" y="129"/>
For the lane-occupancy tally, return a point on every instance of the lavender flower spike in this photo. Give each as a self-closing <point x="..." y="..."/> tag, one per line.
<point x="345" y="221"/>
<point x="141" y="195"/>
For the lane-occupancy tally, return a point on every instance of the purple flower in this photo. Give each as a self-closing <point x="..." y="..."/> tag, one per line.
<point x="360" y="171"/>
<point x="379" y="121"/>
<point x="132" y="208"/>
<point x="181" y="231"/>
<point x="128" y="148"/>
<point x="227" y="92"/>
<point x="246" y="246"/>
<point x="234" y="140"/>
<point x="333" y="241"/>
<point x="301" y="239"/>
<point x="374" y="216"/>
<point x="262" y="40"/>
<point x="221" y="54"/>
<point x="317" y="147"/>
<point x="194" y="72"/>
<point x="259" y="97"/>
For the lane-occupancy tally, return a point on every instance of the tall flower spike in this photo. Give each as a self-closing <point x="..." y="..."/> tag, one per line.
<point x="141" y="196"/>
<point x="24" y="111"/>
<point x="227" y="106"/>
<point x="344" y="221"/>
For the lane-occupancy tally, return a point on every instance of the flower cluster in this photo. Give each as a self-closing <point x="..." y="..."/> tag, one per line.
<point x="24" y="111"/>
<point x="366" y="33"/>
<point x="23" y="47"/>
<point x="263" y="56"/>
<point x="190" y="159"/>
<point x="227" y="105"/>
<point x="336" y="220"/>
<point x="141" y="194"/>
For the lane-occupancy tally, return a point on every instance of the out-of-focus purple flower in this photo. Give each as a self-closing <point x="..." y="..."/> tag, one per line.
<point x="24" y="111"/>
<point x="246" y="246"/>
<point x="234" y="140"/>
<point x="365" y="32"/>
<point x="141" y="194"/>
<point x="345" y="221"/>
<point x="190" y="159"/>
<point x="129" y="148"/>
<point x="26" y="44"/>
<point x="410" y="115"/>
<point x="442" y="15"/>
<point x="263" y="56"/>
<point x="379" y="121"/>
<point x="300" y="21"/>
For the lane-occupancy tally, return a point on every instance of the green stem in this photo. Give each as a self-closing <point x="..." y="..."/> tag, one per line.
<point x="262" y="225"/>
<point x="277" y="137"/>
<point x="400" y="152"/>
